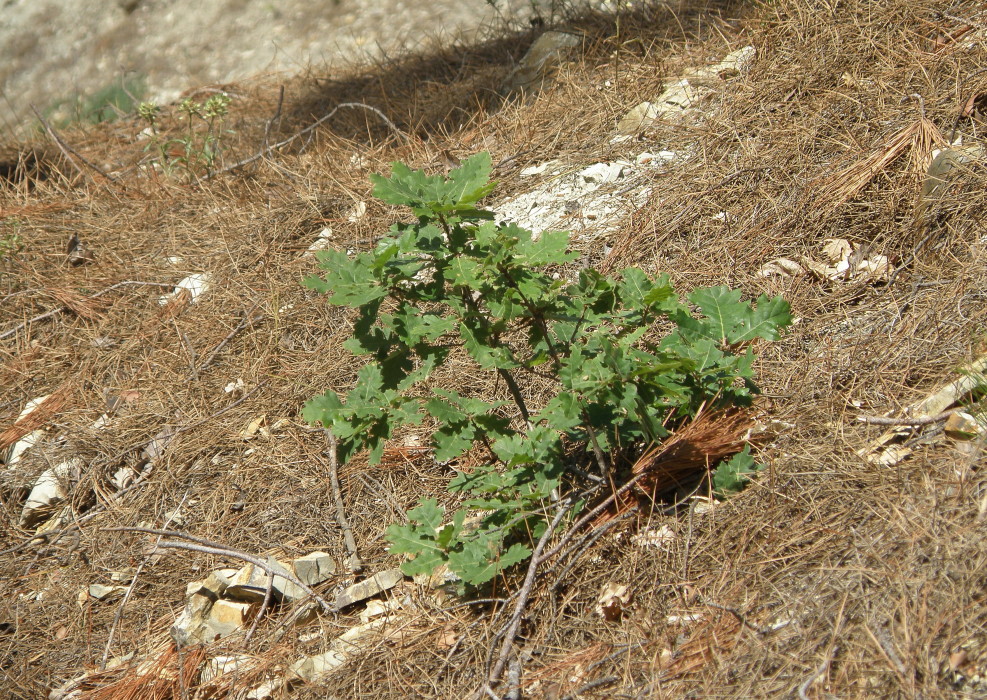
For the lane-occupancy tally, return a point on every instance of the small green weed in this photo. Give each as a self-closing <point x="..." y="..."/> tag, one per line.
<point x="454" y="280"/>
<point x="732" y="475"/>
<point x="106" y="104"/>
<point x="10" y="243"/>
<point x="196" y="151"/>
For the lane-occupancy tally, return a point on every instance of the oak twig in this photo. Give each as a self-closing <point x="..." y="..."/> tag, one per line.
<point x="514" y="623"/>
<point x="198" y="544"/>
<point x="67" y="149"/>
<point x="354" y="561"/>
<point x="273" y="147"/>
<point x="60" y="309"/>
<point x="247" y="320"/>
<point x="907" y="422"/>
<point x="130" y="590"/>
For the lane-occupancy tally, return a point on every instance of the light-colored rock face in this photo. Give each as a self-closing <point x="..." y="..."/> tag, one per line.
<point x="54" y="49"/>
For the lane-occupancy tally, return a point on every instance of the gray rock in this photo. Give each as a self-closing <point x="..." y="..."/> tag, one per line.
<point x="351" y="643"/>
<point x="214" y="585"/>
<point x="206" y="619"/>
<point x="939" y="175"/>
<point x="101" y="592"/>
<point x="370" y="587"/>
<point x="250" y="584"/>
<point x="545" y="54"/>
<point x="225" y="618"/>
<point x="50" y="489"/>
<point x="314" y="568"/>
<point x="189" y="628"/>
<point x="638" y="119"/>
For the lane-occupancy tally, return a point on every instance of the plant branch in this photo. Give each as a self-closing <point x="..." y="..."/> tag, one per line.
<point x="505" y="374"/>
<point x="596" y="510"/>
<point x="908" y="422"/>
<point x="539" y="319"/>
<point x="130" y="590"/>
<point x="248" y="319"/>
<point x="511" y="628"/>
<point x="268" y="591"/>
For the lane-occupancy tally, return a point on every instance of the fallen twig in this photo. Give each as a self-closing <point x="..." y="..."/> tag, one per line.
<point x="907" y="422"/>
<point x="513" y="624"/>
<point x="130" y="590"/>
<point x="599" y="508"/>
<point x="269" y="149"/>
<point x="586" y="687"/>
<point x="189" y="349"/>
<point x="821" y="669"/>
<point x="60" y="309"/>
<point x="276" y="117"/>
<point x="66" y="149"/>
<point x="198" y="544"/>
<point x="354" y="562"/>
<point x="741" y="618"/>
<point x="513" y="678"/>
<point x="584" y="544"/>
<point x="248" y="319"/>
<point x="186" y="428"/>
<point x="263" y="607"/>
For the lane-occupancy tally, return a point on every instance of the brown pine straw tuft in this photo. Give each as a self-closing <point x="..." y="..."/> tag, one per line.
<point x="919" y="138"/>
<point x="39" y="417"/>
<point x="687" y="455"/>
<point x="703" y="645"/>
<point x="165" y="674"/>
<point x="74" y="302"/>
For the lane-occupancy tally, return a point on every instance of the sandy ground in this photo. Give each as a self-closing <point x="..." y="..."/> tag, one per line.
<point x="53" y="50"/>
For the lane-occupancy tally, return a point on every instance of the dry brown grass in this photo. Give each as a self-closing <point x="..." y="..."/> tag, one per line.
<point x="830" y="575"/>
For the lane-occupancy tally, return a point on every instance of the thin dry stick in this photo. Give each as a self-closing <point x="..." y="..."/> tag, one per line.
<point x="571" y="532"/>
<point x="907" y="422"/>
<point x="130" y="591"/>
<point x="267" y="151"/>
<point x="512" y="626"/>
<point x="584" y="544"/>
<point x="686" y="559"/>
<point x="513" y="678"/>
<point x="66" y="149"/>
<point x="276" y="117"/>
<point x="886" y="648"/>
<point x="354" y="561"/>
<point x="263" y="607"/>
<point x="586" y="687"/>
<point x="188" y="348"/>
<point x="60" y="309"/>
<point x="198" y="544"/>
<point x="741" y="618"/>
<point x="186" y="428"/>
<point x="803" y="689"/>
<point x="248" y="319"/>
